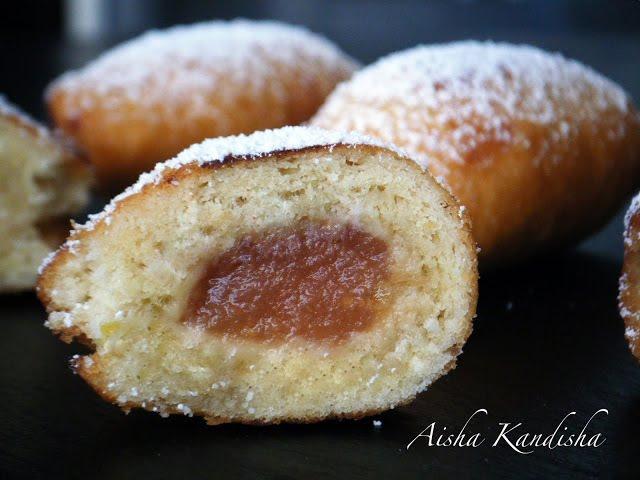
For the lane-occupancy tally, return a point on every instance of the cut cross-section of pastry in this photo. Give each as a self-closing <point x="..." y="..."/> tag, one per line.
<point x="290" y="275"/>
<point x="42" y="183"/>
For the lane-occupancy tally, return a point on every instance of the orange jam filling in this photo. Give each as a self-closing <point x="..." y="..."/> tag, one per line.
<point x="314" y="280"/>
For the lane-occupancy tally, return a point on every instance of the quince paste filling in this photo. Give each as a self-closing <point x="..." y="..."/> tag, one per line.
<point x="315" y="280"/>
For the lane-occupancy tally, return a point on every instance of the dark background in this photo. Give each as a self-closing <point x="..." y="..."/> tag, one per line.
<point x="548" y="339"/>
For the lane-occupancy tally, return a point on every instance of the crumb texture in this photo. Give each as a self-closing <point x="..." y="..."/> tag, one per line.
<point x="153" y="244"/>
<point x="41" y="183"/>
<point x="254" y="146"/>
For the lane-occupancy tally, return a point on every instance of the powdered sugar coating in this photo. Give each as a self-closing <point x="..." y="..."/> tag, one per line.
<point x="629" y="232"/>
<point x="448" y="99"/>
<point x="633" y="210"/>
<point x="182" y="62"/>
<point x="46" y="261"/>
<point x="252" y="146"/>
<point x="628" y="283"/>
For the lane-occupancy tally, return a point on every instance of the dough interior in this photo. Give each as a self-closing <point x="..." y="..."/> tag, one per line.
<point x="41" y="186"/>
<point x="155" y="245"/>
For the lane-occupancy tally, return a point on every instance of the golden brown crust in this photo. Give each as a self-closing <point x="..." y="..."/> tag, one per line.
<point x="89" y="367"/>
<point x="142" y="132"/>
<point x="629" y="297"/>
<point x="519" y="208"/>
<point x="535" y="184"/>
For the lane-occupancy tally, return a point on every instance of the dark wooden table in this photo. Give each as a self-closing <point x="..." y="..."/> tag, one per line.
<point x="547" y="341"/>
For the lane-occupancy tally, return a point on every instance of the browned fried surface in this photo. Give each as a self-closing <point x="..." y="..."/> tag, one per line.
<point x="630" y="279"/>
<point x="153" y="97"/>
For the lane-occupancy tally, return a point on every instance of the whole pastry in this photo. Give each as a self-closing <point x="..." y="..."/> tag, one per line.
<point x="290" y="275"/>
<point x="542" y="150"/>
<point x="149" y="98"/>
<point x="629" y="298"/>
<point x="42" y="183"/>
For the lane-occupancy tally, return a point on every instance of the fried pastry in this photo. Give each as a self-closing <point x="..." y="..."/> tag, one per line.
<point x="147" y="99"/>
<point x="290" y="275"/>
<point x="542" y="150"/>
<point x="629" y="298"/>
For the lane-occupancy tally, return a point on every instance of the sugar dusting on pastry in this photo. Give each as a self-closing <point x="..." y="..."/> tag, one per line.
<point x="243" y="146"/>
<point x="153" y="254"/>
<point x="246" y="50"/>
<point x="498" y="83"/>
<point x="628" y="299"/>
<point x="540" y="149"/>
<point x="633" y="210"/>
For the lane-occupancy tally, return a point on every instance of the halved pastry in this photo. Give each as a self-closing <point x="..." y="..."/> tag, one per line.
<point x="42" y="183"/>
<point x="290" y="275"/>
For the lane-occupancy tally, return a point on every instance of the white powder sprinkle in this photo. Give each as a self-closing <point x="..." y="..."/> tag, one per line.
<point x="72" y="246"/>
<point x="45" y="263"/>
<point x="185" y="409"/>
<point x="252" y="146"/>
<point x="631" y="333"/>
<point x="377" y="423"/>
<point x="633" y="209"/>
<point x="445" y="100"/>
<point x="67" y="319"/>
<point x="58" y="320"/>
<point x="223" y="56"/>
